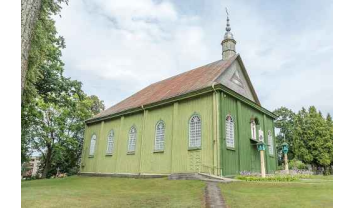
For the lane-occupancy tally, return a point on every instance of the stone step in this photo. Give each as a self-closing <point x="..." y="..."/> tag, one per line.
<point x="197" y="176"/>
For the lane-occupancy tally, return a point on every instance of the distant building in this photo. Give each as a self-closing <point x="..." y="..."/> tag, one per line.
<point x="206" y="120"/>
<point x="32" y="166"/>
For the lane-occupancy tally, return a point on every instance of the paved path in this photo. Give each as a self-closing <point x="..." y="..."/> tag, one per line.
<point x="213" y="197"/>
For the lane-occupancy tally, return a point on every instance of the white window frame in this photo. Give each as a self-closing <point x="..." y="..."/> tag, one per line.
<point x="260" y="135"/>
<point x="270" y="143"/>
<point x="195" y="132"/>
<point x="93" y="145"/>
<point x="110" y="142"/>
<point x="253" y="130"/>
<point x="160" y="136"/>
<point x="230" y="131"/>
<point x="132" y="139"/>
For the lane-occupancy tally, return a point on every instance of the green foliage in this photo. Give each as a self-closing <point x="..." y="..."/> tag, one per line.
<point x="57" y="130"/>
<point x="45" y="68"/>
<point x="285" y="122"/>
<point x="313" y="138"/>
<point x="45" y="53"/>
<point x="309" y="135"/>
<point x="272" y="178"/>
<point x="54" y="107"/>
<point x="297" y="165"/>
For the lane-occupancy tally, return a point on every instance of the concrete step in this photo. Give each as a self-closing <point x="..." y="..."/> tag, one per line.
<point x="198" y="176"/>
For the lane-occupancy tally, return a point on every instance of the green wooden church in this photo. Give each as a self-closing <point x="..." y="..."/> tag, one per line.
<point x="206" y="120"/>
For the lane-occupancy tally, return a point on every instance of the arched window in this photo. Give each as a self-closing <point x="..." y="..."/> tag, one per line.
<point x="93" y="144"/>
<point x="160" y="136"/>
<point x="229" y="132"/>
<point x="110" y="142"/>
<point x="195" y="132"/>
<point x="253" y="130"/>
<point x="270" y="143"/>
<point x="132" y="139"/>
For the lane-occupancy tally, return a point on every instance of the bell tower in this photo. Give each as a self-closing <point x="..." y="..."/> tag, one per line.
<point x="229" y="43"/>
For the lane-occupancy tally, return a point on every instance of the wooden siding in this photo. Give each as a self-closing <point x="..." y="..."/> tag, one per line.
<point x="176" y="156"/>
<point x="245" y="156"/>
<point x="89" y="162"/>
<point x="213" y="157"/>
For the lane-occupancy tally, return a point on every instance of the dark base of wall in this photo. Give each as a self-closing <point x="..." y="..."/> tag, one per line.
<point x="122" y="175"/>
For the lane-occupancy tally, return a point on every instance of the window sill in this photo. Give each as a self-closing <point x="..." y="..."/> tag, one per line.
<point x="158" y="151"/>
<point x="109" y="155"/>
<point x="130" y="153"/>
<point x="194" y="148"/>
<point x="90" y="156"/>
<point x="230" y="148"/>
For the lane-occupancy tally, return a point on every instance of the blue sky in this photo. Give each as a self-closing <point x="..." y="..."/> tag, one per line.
<point x="116" y="48"/>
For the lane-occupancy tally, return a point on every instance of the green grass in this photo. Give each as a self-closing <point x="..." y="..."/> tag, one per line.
<point x="80" y="191"/>
<point x="314" y="192"/>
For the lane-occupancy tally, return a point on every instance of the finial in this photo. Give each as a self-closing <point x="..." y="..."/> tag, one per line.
<point x="228" y="28"/>
<point x="228" y="44"/>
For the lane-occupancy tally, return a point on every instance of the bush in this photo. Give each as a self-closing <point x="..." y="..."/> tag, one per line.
<point x="297" y="165"/>
<point x="270" y="178"/>
<point x="280" y="167"/>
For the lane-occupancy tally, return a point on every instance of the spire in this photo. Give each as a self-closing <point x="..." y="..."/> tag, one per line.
<point x="228" y="44"/>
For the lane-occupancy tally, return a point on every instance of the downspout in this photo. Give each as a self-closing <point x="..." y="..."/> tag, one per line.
<point x="216" y="131"/>
<point x="141" y="140"/>
<point x="83" y="158"/>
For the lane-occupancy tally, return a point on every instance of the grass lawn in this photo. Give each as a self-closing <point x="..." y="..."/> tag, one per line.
<point x="314" y="192"/>
<point x="80" y="191"/>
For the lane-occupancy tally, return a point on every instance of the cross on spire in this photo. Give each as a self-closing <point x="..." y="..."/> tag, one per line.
<point x="228" y="28"/>
<point x="228" y="44"/>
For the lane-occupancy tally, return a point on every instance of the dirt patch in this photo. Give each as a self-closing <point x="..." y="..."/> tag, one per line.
<point x="213" y="197"/>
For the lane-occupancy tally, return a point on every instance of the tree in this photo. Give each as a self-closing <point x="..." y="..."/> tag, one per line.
<point x="44" y="67"/>
<point x="285" y="122"/>
<point x="312" y="138"/>
<point x="58" y="128"/>
<point x="53" y="107"/>
<point x="29" y="14"/>
<point x="36" y="30"/>
<point x="97" y="104"/>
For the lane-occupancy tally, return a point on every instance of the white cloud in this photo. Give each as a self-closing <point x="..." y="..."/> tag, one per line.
<point x="118" y="47"/>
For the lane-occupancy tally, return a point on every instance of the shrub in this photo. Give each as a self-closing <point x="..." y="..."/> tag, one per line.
<point x="248" y="173"/>
<point x="297" y="165"/>
<point x="270" y="178"/>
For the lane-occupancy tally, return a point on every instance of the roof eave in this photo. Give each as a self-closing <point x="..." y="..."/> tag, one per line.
<point x="188" y="95"/>
<point x="248" y="80"/>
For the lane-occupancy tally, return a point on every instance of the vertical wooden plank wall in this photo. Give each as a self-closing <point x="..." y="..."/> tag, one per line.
<point x="213" y="157"/>
<point x="175" y="158"/>
<point x="245" y="156"/>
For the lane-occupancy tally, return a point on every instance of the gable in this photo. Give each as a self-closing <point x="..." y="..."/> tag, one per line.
<point x="236" y="78"/>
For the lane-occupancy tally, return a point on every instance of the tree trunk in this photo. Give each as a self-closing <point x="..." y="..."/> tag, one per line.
<point x="29" y="15"/>
<point x="47" y="162"/>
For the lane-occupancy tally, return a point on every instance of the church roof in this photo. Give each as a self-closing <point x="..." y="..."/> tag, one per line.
<point x="180" y="84"/>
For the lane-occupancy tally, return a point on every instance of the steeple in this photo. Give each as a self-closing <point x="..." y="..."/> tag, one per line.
<point x="228" y="44"/>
